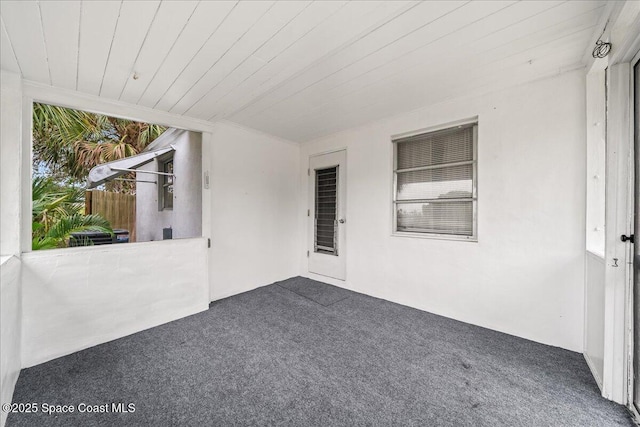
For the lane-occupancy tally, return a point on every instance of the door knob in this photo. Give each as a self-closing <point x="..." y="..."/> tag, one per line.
<point x="627" y="238"/>
<point x="341" y="221"/>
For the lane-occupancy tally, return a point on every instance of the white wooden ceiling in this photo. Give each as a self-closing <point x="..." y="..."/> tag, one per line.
<point x="296" y="69"/>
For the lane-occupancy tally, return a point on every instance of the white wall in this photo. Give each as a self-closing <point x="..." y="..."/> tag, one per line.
<point x="525" y="275"/>
<point x="80" y="297"/>
<point x="595" y="219"/>
<point x="10" y="325"/>
<point x="10" y="156"/>
<point x="594" y="316"/>
<point x="254" y="196"/>
<point x="185" y="218"/>
<point x="10" y="224"/>
<point x="608" y="291"/>
<point x="596" y="152"/>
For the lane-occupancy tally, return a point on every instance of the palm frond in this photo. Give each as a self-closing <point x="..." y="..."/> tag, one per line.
<point x="44" y="243"/>
<point x="63" y="228"/>
<point x="71" y="142"/>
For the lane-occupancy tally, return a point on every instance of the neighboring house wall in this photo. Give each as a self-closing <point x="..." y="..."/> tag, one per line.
<point x="186" y="216"/>
<point x="254" y="202"/>
<point x="525" y="275"/>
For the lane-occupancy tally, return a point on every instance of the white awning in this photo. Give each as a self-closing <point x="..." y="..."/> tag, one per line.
<point x="110" y="171"/>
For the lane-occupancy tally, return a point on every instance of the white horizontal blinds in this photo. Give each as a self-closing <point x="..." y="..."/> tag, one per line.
<point x="442" y="183"/>
<point x="436" y="148"/>
<point x="435" y="182"/>
<point x="326" y="210"/>
<point x="441" y="218"/>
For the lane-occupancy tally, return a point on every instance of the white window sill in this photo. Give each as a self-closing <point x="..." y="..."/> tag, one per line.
<point x="430" y="236"/>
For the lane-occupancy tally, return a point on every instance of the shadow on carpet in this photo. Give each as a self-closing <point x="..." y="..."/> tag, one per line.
<point x="273" y="357"/>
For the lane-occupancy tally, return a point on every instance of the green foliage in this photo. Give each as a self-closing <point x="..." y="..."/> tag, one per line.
<point x="58" y="212"/>
<point x="66" y="145"/>
<point x="71" y="142"/>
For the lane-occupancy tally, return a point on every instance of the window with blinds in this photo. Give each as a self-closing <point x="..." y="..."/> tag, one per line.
<point x="435" y="183"/>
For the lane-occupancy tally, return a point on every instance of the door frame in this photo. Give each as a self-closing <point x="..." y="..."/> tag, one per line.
<point x="309" y="229"/>
<point x="631" y="348"/>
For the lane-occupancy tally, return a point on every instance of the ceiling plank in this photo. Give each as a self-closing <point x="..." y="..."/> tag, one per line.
<point x="445" y="21"/>
<point x="348" y="24"/>
<point x="355" y="21"/>
<point x="230" y="31"/>
<point x="308" y="19"/>
<point x="296" y="69"/>
<point x="8" y="59"/>
<point x="296" y="32"/>
<point x="169" y="23"/>
<point x="239" y="62"/>
<point x="205" y="21"/>
<point x="61" y="25"/>
<point x="98" y="21"/>
<point x="423" y="49"/>
<point x="24" y="27"/>
<point x="131" y="31"/>
<point x="309" y="129"/>
<point x="402" y="94"/>
<point x="483" y="51"/>
<point x="543" y="28"/>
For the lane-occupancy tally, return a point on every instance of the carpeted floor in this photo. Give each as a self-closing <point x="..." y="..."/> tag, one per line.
<point x="308" y="354"/>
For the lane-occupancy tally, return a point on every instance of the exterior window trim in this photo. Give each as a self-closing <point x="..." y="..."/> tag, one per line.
<point x="474" y="197"/>
<point x="162" y="183"/>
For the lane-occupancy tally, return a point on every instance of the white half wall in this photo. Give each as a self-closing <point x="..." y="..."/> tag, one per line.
<point x="525" y="275"/>
<point x="10" y="325"/>
<point x="254" y="198"/>
<point x="76" y="298"/>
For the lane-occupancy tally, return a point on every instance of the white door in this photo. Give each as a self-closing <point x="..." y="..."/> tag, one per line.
<point x="327" y="221"/>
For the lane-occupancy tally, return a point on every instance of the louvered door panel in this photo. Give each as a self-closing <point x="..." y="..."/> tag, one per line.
<point x="326" y="210"/>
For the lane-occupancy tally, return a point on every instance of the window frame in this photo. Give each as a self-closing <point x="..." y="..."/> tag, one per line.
<point x="35" y="92"/>
<point x="162" y="183"/>
<point x="474" y="196"/>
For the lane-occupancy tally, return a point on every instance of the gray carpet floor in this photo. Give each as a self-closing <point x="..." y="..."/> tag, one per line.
<point x="303" y="353"/>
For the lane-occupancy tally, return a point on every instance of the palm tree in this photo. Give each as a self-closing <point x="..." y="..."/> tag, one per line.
<point x="71" y="142"/>
<point x="58" y="212"/>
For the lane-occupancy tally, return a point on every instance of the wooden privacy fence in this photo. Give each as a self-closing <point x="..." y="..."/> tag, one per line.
<point x="117" y="208"/>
